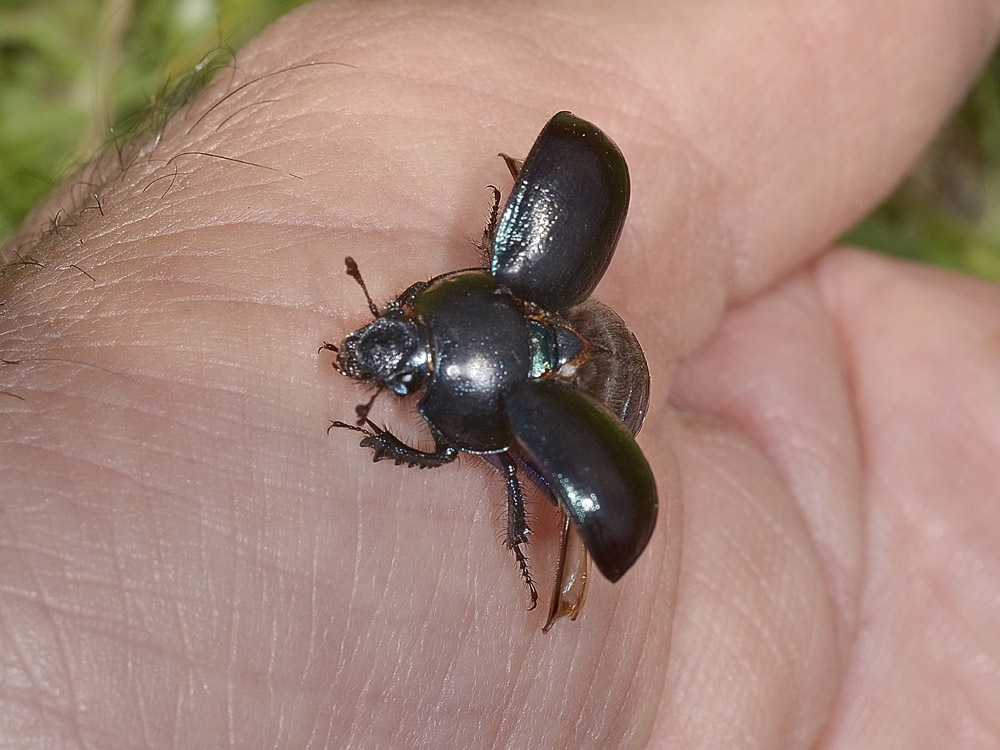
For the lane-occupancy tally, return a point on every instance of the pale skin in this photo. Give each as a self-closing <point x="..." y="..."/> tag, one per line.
<point x="189" y="560"/>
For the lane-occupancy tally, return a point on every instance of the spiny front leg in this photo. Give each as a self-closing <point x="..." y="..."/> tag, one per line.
<point x="517" y="524"/>
<point x="489" y="231"/>
<point x="385" y="445"/>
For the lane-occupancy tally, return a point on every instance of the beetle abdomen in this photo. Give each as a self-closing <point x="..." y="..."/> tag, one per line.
<point x="480" y="346"/>
<point x="615" y="373"/>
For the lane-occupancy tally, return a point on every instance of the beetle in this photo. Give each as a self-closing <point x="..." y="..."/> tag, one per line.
<point x="515" y="364"/>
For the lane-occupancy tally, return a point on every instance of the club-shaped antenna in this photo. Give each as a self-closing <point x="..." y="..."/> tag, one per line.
<point x="354" y="273"/>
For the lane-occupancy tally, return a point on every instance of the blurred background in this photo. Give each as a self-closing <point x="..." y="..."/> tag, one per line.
<point x="76" y="75"/>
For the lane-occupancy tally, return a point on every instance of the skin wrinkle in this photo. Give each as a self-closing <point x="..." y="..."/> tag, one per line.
<point x="314" y="620"/>
<point x="127" y="614"/>
<point x="758" y="577"/>
<point x="751" y="403"/>
<point x="71" y="703"/>
<point x="33" y="596"/>
<point x="621" y="719"/>
<point x="728" y="605"/>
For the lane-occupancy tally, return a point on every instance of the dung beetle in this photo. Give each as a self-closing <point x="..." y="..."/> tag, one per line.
<point x="516" y="365"/>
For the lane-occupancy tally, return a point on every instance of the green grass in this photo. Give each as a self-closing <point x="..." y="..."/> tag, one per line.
<point x="948" y="211"/>
<point x="76" y="73"/>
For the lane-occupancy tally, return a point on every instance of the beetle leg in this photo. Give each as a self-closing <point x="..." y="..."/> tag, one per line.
<point x="385" y="445"/>
<point x="491" y="225"/>
<point x="486" y="244"/>
<point x="517" y="523"/>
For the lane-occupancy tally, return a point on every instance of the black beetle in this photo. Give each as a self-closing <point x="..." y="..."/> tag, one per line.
<point x="514" y="364"/>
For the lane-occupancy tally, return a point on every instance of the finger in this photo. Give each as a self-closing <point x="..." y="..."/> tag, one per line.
<point x="772" y="540"/>
<point x="923" y="348"/>
<point x="844" y="483"/>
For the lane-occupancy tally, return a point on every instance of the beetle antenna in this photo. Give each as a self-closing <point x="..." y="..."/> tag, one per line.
<point x="354" y="273"/>
<point x="362" y="409"/>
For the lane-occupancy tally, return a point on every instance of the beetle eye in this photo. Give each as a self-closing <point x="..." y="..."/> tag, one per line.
<point x="410" y="374"/>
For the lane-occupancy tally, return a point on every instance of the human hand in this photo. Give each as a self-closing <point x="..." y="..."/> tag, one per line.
<point x="190" y="561"/>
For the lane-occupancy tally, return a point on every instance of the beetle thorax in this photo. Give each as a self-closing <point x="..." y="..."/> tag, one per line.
<point x="481" y="345"/>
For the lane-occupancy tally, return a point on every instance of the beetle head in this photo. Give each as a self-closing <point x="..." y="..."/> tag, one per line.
<point x="391" y="352"/>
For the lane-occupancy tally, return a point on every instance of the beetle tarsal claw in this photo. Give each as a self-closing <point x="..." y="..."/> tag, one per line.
<point x="522" y="563"/>
<point x="355" y="428"/>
